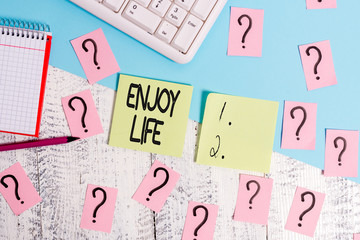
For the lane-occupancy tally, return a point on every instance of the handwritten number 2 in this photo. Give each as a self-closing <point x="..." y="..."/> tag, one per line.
<point x="212" y="150"/>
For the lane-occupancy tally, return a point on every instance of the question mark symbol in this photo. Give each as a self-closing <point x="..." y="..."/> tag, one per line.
<point x="95" y="49"/>
<point x="161" y="185"/>
<point x="16" y="185"/>
<point x="309" y="208"/>
<point x="84" y="112"/>
<point x="257" y="190"/>
<point x="303" y="120"/>
<point x="101" y="203"/>
<point x="318" y="61"/>
<point x="344" y="147"/>
<point x="248" y="28"/>
<point x="203" y="221"/>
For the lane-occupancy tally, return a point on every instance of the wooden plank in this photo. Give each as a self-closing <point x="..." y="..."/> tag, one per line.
<point x="66" y="170"/>
<point x="339" y="218"/>
<point x="202" y="184"/>
<point x="61" y="174"/>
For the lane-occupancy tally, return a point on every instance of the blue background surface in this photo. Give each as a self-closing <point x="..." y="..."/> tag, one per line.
<point x="276" y="76"/>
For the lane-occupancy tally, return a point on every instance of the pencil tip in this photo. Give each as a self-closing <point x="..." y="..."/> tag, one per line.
<point x="70" y="139"/>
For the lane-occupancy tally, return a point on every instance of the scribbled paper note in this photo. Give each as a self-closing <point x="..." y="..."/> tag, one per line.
<point x="237" y="132"/>
<point x="81" y="114"/>
<point x="17" y="189"/>
<point x="200" y="221"/>
<point x="156" y="186"/>
<point x="99" y="207"/>
<point x="318" y="4"/>
<point x="318" y="66"/>
<point x="95" y="56"/>
<point x="341" y="153"/>
<point x="253" y="200"/>
<point x="245" y="32"/>
<point x="305" y="211"/>
<point x="150" y="115"/>
<point x="299" y="125"/>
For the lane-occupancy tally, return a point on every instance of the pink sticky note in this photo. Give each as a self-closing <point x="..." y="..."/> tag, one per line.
<point x="305" y="211"/>
<point x="318" y="66"/>
<point x="200" y="221"/>
<point x="356" y="236"/>
<point x="156" y="186"/>
<point x="245" y="32"/>
<point x="95" y="56"/>
<point x="253" y="200"/>
<point x="99" y="207"/>
<point x="81" y="114"/>
<point x="17" y="189"/>
<point x="299" y="126"/>
<point x="341" y="153"/>
<point x="318" y="4"/>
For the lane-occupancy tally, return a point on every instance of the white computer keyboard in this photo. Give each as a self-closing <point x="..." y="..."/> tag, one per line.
<point x="174" y="28"/>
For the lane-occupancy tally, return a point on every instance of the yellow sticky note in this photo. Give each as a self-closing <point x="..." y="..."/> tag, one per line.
<point x="237" y="132"/>
<point x="150" y="115"/>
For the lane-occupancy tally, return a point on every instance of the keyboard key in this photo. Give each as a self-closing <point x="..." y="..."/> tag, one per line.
<point x="142" y="17"/>
<point x="166" y="31"/>
<point x="202" y="8"/>
<point x="186" y="4"/>
<point x="187" y="33"/>
<point x="176" y="15"/>
<point x="145" y="3"/>
<point x="114" y="5"/>
<point x="160" y="7"/>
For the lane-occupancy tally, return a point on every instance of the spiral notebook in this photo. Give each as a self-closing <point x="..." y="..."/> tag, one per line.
<point x="24" y="57"/>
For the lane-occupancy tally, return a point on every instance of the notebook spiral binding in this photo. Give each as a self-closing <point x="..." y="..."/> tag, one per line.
<point x="23" y="29"/>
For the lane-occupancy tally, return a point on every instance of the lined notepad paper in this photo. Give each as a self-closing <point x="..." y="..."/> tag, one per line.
<point x="23" y="61"/>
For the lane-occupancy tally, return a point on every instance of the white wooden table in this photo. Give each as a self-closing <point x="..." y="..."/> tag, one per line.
<point x="61" y="174"/>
